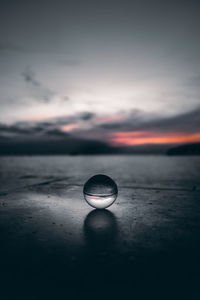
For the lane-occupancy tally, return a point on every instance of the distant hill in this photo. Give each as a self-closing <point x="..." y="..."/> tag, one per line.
<point x="187" y="149"/>
<point x="66" y="144"/>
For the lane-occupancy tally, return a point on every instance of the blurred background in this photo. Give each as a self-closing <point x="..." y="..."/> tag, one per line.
<point x="90" y="77"/>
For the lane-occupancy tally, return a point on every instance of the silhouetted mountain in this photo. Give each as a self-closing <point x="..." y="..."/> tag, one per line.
<point x="187" y="149"/>
<point x="67" y="144"/>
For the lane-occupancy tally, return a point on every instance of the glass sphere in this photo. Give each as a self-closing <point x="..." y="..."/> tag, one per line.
<point x="100" y="191"/>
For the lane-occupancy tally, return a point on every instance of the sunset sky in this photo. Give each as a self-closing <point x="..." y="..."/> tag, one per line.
<point x="121" y="72"/>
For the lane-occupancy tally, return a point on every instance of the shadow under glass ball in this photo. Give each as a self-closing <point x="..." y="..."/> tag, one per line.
<point x="100" y="191"/>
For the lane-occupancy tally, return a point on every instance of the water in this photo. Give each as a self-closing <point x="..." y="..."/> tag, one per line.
<point x="100" y="191"/>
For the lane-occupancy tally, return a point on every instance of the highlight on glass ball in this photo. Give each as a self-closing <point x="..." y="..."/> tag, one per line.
<point x="100" y="191"/>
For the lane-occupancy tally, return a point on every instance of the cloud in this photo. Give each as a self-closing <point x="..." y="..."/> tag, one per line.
<point x="84" y="117"/>
<point x="47" y="139"/>
<point x="138" y="127"/>
<point x="148" y="129"/>
<point x="87" y="116"/>
<point x="29" y="76"/>
<point x="56" y="132"/>
<point x="134" y="128"/>
<point x="51" y="127"/>
<point x="37" y="89"/>
<point x="22" y="129"/>
<point x="188" y="122"/>
<point x="13" y="129"/>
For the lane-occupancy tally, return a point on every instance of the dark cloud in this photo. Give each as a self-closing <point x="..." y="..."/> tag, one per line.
<point x="65" y="120"/>
<point x="136" y="121"/>
<point x="45" y="124"/>
<point x="111" y="126"/>
<point x="14" y="129"/>
<point x="29" y="77"/>
<point x="87" y="116"/>
<point x="48" y="137"/>
<point x="38" y="90"/>
<point x="56" y="132"/>
<point x="188" y="122"/>
<point x="52" y="127"/>
<point x="22" y="129"/>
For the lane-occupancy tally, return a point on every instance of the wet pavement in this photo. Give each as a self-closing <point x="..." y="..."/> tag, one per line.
<point x="55" y="246"/>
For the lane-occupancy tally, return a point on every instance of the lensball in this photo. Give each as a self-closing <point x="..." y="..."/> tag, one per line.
<point x="100" y="191"/>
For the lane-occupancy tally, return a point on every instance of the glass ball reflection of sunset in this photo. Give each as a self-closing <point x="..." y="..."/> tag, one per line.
<point x="100" y="191"/>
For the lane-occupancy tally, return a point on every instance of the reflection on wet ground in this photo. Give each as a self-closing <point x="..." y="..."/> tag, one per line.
<point x="100" y="230"/>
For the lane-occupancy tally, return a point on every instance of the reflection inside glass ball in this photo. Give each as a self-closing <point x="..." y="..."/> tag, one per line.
<point x="100" y="191"/>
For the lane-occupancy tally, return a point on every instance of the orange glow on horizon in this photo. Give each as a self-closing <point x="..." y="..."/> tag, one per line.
<point x="69" y="127"/>
<point x="146" y="137"/>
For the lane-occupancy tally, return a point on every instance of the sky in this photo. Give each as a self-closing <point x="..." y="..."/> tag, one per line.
<point x="121" y="72"/>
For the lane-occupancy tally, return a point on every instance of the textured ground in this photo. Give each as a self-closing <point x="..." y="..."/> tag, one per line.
<point x="54" y="246"/>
